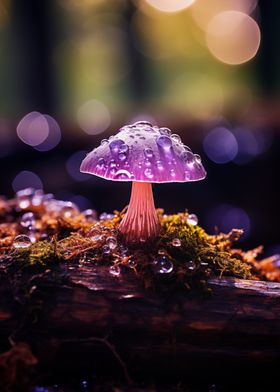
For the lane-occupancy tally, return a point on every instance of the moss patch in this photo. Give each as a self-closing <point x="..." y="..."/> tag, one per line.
<point x="184" y="255"/>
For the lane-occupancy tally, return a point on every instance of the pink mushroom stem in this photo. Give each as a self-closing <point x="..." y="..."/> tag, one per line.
<point x="141" y="221"/>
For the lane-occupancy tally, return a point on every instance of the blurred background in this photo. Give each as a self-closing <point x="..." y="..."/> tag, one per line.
<point x="74" y="71"/>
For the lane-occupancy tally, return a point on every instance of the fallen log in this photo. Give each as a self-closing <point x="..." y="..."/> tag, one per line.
<point x="93" y="322"/>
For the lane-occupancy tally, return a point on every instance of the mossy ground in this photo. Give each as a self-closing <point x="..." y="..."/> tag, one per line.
<point x="195" y="255"/>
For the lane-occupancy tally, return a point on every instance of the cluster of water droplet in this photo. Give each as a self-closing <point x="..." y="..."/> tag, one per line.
<point x="111" y="248"/>
<point x="30" y="203"/>
<point x="144" y="152"/>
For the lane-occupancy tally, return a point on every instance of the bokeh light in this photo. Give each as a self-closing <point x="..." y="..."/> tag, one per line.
<point x="225" y="217"/>
<point x="73" y="164"/>
<point x="26" y="179"/>
<point x="53" y="137"/>
<point x="203" y="11"/>
<point x="251" y="143"/>
<point x="33" y="129"/>
<point x="170" y="5"/>
<point x="220" y="145"/>
<point x="93" y="117"/>
<point x="233" y="37"/>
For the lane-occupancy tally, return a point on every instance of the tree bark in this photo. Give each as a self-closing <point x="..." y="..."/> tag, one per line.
<point x="93" y="321"/>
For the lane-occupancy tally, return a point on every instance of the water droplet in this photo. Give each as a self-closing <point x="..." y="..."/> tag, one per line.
<point x="38" y="198"/>
<point x="106" y="249"/>
<point x="192" y="219"/>
<point x="105" y="216"/>
<point x="276" y="263"/>
<point x="123" y="148"/>
<point x="123" y="175"/>
<point x="123" y="251"/>
<point x="24" y="203"/>
<point x="142" y="123"/>
<point x="48" y="196"/>
<point x="24" y="197"/>
<point x="104" y="142"/>
<point x="25" y="192"/>
<point x="90" y="215"/>
<point x="85" y="385"/>
<point x="142" y="138"/>
<point x="147" y="162"/>
<point x="176" y="242"/>
<point x="148" y="173"/>
<point x="69" y="210"/>
<point x="197" y="158"/>
<point x="190" y="265"/>
<point x="112" y="163"/>
<point x="113" y="171"/>
<point x="22" y="242"/>
<point x="112" y="242"/>
<point x="159" y="165"/>
<point x="28" y="220"/>
<point x="97" y="237"/>
<point x="176" y="138"/>
<point x="41" y="389"/>
<point x="115" y="270"/>
<point x="32" y="236"/>
<point x="172" y="173"/>
<point x="54" y="205"/>
<point x="148" y="152"/>
<point x="100" y="163"/>
<point x="165" y="131"/>
<point x="187" y="156"/>
<point x="187" y="148"/>
<point x="122" y="156"/>
<point x="187" y="175"/>
<point x="132" y="263"/>
<point x="164" y="142"/>
<point x="44" y="236"/>
<point x="162" y="265"/>
<point x="131" y="136"/>
<point x="213" y="388"/>
<point x="115" y="145"/>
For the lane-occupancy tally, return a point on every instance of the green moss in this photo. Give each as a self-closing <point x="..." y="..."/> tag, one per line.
<point x="197" y="257"/>
<point x="42" y="253"/>
<point x="196" y="244"/>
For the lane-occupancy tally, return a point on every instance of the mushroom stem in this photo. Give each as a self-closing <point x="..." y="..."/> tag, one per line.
<point x="141" y="221"/>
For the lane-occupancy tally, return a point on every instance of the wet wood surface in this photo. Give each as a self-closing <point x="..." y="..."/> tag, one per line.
<point x="93" y="321"/>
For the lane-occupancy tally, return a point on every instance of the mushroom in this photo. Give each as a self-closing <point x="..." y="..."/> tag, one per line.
<point x="143" y="154"/>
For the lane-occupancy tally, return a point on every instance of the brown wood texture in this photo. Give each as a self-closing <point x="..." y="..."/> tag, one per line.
<point x="93" y="320"/>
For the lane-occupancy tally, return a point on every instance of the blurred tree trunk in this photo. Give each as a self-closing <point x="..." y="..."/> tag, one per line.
<point x="269" y="54"/>
<point x="33" y="30"/>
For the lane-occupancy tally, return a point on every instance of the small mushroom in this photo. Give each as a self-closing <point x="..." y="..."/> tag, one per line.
<point x="143" y="154"/>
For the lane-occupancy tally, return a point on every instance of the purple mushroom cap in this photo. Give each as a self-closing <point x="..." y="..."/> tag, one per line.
<point x="145" y="153"/>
